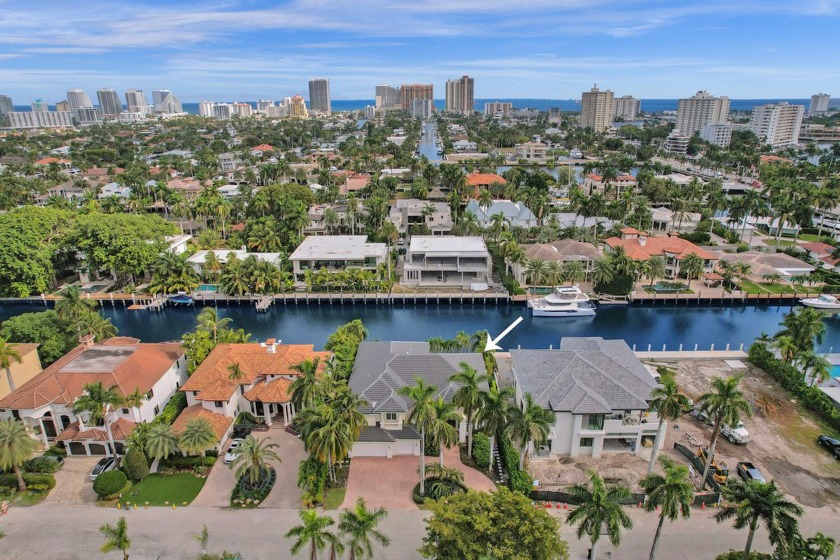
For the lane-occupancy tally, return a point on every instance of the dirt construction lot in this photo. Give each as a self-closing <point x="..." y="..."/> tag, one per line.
<point x="782" y="435"/>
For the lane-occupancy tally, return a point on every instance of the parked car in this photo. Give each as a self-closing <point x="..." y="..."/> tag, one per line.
<point x="748" y="472"/>
<point x="104" y="464"/>
<point x="231" y="454"/>
<point x="738" y="434"/>
<point x="832" y="444"/>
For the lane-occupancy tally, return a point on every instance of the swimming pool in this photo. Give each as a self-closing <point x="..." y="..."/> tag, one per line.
<point x="207" y="288"/>
<point x="835" y="370"/>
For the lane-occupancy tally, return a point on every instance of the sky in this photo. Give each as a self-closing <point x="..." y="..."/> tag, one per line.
<point x="225" y="50"/>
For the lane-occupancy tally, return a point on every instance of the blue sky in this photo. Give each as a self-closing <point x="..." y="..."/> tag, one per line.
<point x="250" y="49"/>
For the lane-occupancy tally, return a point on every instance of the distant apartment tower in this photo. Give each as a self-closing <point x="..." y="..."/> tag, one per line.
<point x="166" y="102"/>
<point x="596" y="109"/>
<point x="777" y="124"/>
<point x="719" y="134"/>
<point x="264" y="104"/>
<point x="63" y="106"/>
<point x="78" y="99"/>
<point x="555" y="115"/>
<point x="388" y="97"/>
<point x="695" y="112"/>
<point x="422" y="108"/>
<point x="627" y="107"/>
<point x="135" y="100"/>
<point x="819" y="104"/>
<point x="205" y="108"/>
<point x="40" y="105"/>
<point x="41" y="119"/>
<point x="87" y="115"/>
<point x="498" y="109"/>
<point x="319" y="96"/>
<point x="297" y="107"/>
<point x="109" y="102"/>
<point x="410" y="92"/>
<point x="6" y="105"/>
<point x="460" y="95"/>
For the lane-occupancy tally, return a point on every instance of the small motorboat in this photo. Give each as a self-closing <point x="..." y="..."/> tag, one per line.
<point x="181" y="298"/>
<point x="823" y="301"/>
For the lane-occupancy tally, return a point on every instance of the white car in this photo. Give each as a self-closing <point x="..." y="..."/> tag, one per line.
<point x="231" y="454"/>
<point x="104" y="465"/>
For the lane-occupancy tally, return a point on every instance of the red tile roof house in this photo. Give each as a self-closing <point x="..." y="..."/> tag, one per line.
<point x="261" y="149"/>
<point x="595" y="183"/>
<point x="639" y="246"/>
<point x="45" y="403"/>
<point x="479" y="181"/>
<point x="354" y="183"/>
<point x="263" y="389"/>
<point x="822" y="252"/>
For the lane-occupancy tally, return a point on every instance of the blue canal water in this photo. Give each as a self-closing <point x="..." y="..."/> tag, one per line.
<point x="639" y="325"/>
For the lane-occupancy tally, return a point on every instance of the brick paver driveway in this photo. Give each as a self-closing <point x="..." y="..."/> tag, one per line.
<point x="73" y="485"/>
<point x="219" y="484"/>
<point x="285" y="493"/>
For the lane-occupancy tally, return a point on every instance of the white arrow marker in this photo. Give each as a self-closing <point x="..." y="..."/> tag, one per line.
<point x="494" y="344"/>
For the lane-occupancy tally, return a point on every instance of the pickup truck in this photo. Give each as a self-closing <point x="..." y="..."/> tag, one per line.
<point x="738" y="434"/>
<point x="719" y="471"/>
<point x="748" y="472"/>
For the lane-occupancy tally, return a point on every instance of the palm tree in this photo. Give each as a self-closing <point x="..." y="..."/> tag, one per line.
<point x="494" y="413"/>
<point x="161" y="441"/>
<point x="72" y="307"/>
<point x="669" y="403"/>
<point x="574" y="272"/>
<point x="331" y="437"/>
<point x="198" y="436"/>
<point x="16" y="447"/>
<point x="599" y="508"/>
<point x="358" y="527"/>
<point x="655" y="268"/>
<point x="8" y="356"/>
<point x="134" y="399"/>
<point x="208" y="320"/>
<point x="97" y="401"/>
<point x="441" y="429"/>
<point x="421" y="416"/>
<point x="235" y="372"/>
<point x="527" y="424"/>
<point x="692" y="266"/>
<point x="252" y="458"/>
<point x="314" y="532"/>
<point x="724" y="404"/>
<point x="469" y="395"/>
<point x="603" y="272"/>
<point x="535" y="271"/>
<point x="304" y="389"/>
<point x="673" y="492"/>
<point x="786" y="346"/>
<point x="753" y="502"/>
<point x="804" y="326"/>
<point x="95" y="324"/>
<point x="116" y="537"/>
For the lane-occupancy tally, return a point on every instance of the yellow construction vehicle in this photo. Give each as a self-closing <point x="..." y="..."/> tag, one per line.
<point x="719" y="471"/>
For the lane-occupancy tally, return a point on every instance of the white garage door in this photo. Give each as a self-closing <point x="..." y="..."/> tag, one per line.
<point x="407" y="447"/>
<point x="365" y="449"/>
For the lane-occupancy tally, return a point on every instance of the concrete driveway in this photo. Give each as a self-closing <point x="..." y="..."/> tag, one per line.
<point x="382" y="482"/>
<point x="73" y="485"/>
<point x="219" y="485"/>
<point x="285" y="494"/>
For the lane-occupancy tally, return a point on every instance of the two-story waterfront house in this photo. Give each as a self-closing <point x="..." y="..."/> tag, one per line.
<point x="597" y="390"/>
<point x="640" y="246"/>
<point x="445" y="260"/>
<point x="337" y="252"/>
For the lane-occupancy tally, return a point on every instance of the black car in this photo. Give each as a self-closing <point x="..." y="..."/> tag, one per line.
<point x="832" y="444"/>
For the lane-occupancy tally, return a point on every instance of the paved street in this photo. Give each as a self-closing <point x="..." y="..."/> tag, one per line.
<point x="48" y="532"/>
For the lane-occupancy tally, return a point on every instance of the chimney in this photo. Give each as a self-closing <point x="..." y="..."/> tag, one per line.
<point x="87" y="340"/>
<point x="271" y="344"/>
<point x="642" y="239"/>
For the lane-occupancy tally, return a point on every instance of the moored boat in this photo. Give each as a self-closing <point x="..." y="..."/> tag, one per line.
<point x="564" y="301"/>
<point x="823" y="301"/>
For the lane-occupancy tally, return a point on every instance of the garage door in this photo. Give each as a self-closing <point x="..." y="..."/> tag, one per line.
<point x="407" y="447"/>
<point x="370" y="449"/>
<point x="77" y="448"/>
<point x="96" y="449"/>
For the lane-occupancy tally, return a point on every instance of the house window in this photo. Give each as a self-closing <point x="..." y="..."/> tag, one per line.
<point x="595" y="422"/>
<point x="586" y="442"/>
<point x="125" y="411"/>
<point x="391" y="416"/>
<point x="157" y="409"/>
<point x="217" y="404"/>
<point x="150" y="394"/>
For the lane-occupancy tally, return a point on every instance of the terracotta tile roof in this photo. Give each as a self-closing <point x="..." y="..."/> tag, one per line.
<point x="120" y="361"/>
<point x="818" y="247"/>
<point x="220" y="422"/>
<point x="474" y="179"/>
<point x="121" y="428"/>
<point x="659" y="246"/>
<point x="562" y="250"/>
<point x="263" y="148"/>
<point x="212" y="378"/>
<point x="632" y="231"/>
<point x="49" y="160"/>
<point x="274" y="391"/>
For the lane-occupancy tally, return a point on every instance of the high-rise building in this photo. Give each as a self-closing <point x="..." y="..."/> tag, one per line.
<point x="40" y="105"/>
<point x="135" y="100"/>
<point x="819" y="104"/>
<point x="498" y="109"/>
<point x="41" y="119"/>
<point x="166" y="102"/>
<point x="264" y="104"/>
<point x="109" y="102"/>
<point x="777" y="124"/>
<point x="719" y="134"/>
<point x="460" y="95"/>
<point x="297" y="107"/>
<point x="78" y="99"/>
<point x="319" y="96"/>
<point x="87" y="115"/>
<point x="555" y="115"/>
<point x="388" y="97"/>
<point x="6" y="105"/>
<point x="627" y="107"/>
<point x="410" y="92"/>
<point x="422" y="108"/>
<point x="596" y="109"/>
<point x="243" y="110"/>
<point x="63" y="105"/>
<point x="205" y="108"/>
<point x="695" y="112"/>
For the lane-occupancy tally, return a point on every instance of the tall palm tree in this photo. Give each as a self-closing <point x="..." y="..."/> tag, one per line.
<point x="603" y="272"/>
<point x="527" y="424"/>
<point x="208" y="320"/>
<point x="116" y="537"/>
<point x="134" y="399"/>
<point x="692" y="266"/>
<point x="494" y="413"/>
<point x="95" y="324"/>
<point x="655" y="268"/>
<point x="8" y="356"/>
<point x="97" y="402"/>
<point x="252" y="458"/>
<point x="16" y="447"/>
<point x="304" y="389"/>
<point x="314" y="533"/>
<point x="235" y="372"/>
<point x="599" y="508"/>
<point x="358" y="527"/>
<point x="673" y="492"/>
<point x="198" y="436"/>
<point x="804" y="325"/>
<point x="574" y="272"/>
<point x="669" y="403"/>
<point x="441" y="429"/>
<point x="73" y="307"/>
<point x="535" y="271"/>
<point x="332" y="439"/>
<point x="469" y="395"/>
<point x="786" y="346"/>
<point x="161" y="441"/>
<point x="724" y="404"/>
<point x="753" y="502"/>
<point x="421" y="416"/>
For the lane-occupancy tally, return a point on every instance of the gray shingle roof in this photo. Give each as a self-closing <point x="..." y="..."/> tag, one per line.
<point x="585" y="376"/>
<point x="382" y="368"/>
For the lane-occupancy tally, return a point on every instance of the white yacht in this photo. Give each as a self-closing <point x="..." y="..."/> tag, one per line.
<point x="575" y="153"/>
<point x="823" y="301"/>
<point x="565" y="301"/>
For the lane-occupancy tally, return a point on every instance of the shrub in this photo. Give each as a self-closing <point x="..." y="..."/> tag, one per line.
<point x="741" y="555"/>
<point x="621" y="285"/>
<point x="135" y="465"/>
<point x="173" y="408"/>
<point x="109" y="482"/>
<point x="10" y="480"/>
<point x="312" y="478"/>
<point x="57" y="451"/>
<point x="481" y="450"/>
<point x="519" y="480"/>
<point x="119" y="493"/>
<point x="180" y="462"/>
<point x="41" y="465"/>
<point x="700" y="237"/>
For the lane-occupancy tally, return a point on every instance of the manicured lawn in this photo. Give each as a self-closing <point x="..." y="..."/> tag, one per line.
<point x="25" y="499"/>
<point x="158" y="489"/>
<point x="333" y="498"/>
<point x="764" y="288"/>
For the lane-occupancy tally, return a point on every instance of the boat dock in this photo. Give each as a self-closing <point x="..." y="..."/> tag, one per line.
<point x="264" y="303"/>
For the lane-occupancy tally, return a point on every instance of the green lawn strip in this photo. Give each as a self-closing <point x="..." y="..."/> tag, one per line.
<point x="24" y="499"/>
<point x="334" y="497"/>
<point x="164" y="490"/>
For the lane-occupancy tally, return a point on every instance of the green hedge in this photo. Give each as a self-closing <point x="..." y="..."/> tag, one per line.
<point x="789" y="377"/>
<point x="621" y="285"/>
<point x="10" y="480"/>
<point x="173" y="408"/>
<point x="135" y="465"/>
<point x="697" y="236"/>
<point x="519" y="481"/>
<point x="481" y="450"/>
<point x="41" y="466"/>
<point x="109" y="482"/>
<point x="180" y="462"/>
<point x="119" y="493"/>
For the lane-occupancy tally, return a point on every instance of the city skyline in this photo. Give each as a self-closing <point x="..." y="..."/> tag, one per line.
<point x="548" y="49"/>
